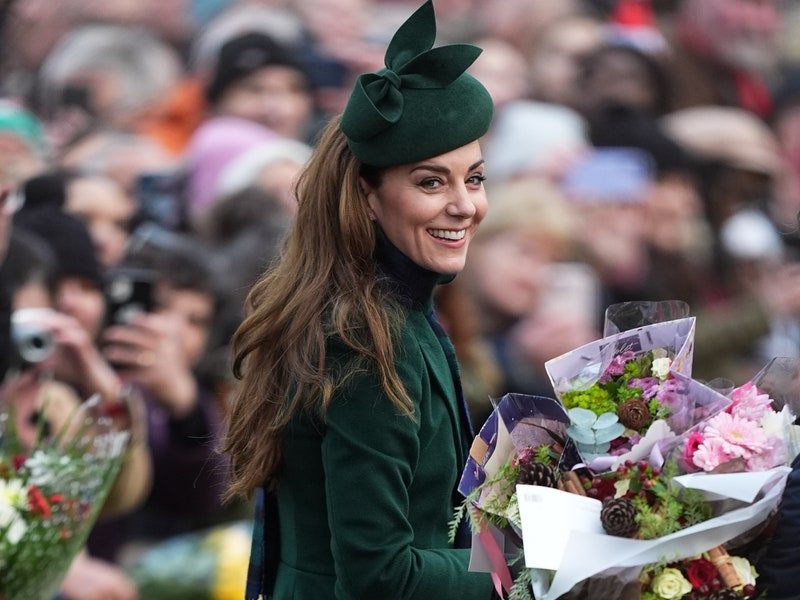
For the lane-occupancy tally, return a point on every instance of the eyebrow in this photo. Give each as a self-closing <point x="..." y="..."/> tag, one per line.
<point x="441" y="169"/>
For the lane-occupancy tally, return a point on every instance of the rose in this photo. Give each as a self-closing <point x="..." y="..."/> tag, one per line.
<point x="660" y="368"/>
<point x="692" y="444"/>
<point x="700" y="572"/>
<point x="670" y="584"/>
<point x="634" y="414"/>
<point x="746" y="572"/>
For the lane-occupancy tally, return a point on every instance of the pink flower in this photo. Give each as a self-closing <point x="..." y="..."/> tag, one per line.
<point x="774" y="455"/>
<point x="710" y="454"/>
<point x="617" y="366"/>
<point x="740" y="436"/>
<point x="746" y="402"/>
<point x="692" y="444"/>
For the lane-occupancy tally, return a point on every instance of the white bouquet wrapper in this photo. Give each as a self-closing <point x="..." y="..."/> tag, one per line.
<point x="589" y="553"/>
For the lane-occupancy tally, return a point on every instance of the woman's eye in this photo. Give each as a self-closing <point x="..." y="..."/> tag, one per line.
<point x="430" y="183"/>
<point x="476" y="179"/>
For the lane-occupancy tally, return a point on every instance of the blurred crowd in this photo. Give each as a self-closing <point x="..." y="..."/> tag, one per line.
<point x="639" y="151"/>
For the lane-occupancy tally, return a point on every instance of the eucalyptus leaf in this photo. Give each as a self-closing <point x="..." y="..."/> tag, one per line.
<point x="582" y="417"/>
<point x="605" y="420"/>
<point x="581" y="436"/>
<point x="609" y="433"/>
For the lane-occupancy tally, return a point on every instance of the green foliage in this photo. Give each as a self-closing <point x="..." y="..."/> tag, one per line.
<point x="545" y="455"/>
<point x="658" y="410"/>
<point x="639" y="367"/>
<point x="625" y="393"/>
<point x="521" y="589"/>
<point x="667" y="507"/>
<point x="596" y="399"/>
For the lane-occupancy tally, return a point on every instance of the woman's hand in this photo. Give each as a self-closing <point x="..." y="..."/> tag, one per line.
<point x="76" y="359"/>
<point x="149" y="352"/>
<point x="92" y="579"/>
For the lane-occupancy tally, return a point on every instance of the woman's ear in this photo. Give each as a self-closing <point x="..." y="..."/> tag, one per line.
<point x="369" y="196"/>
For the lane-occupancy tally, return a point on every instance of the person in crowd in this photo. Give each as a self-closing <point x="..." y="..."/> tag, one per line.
<point x="258" y="79"/>
<point x="58" y="271"/>
<point x="23" y="145"/>
<point x="350" y="417"/>
<point x="726" y="52"/>
<point x="160" y="353"/>
<point x="528" y="231"/>
<point x="108" y="74"/>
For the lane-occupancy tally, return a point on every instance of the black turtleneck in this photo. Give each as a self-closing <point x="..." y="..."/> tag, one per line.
<point x="412" y="284"/>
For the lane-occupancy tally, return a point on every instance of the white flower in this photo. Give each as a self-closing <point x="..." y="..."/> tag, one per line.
<point x="17" y="529"/>
<point x="13" y="493"/>
<point x="746" y="572"/>
<point x="661" y="367"/>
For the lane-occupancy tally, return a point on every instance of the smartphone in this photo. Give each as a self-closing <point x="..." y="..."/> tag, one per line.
<point x="613" y="175"/>
<point x="128" y="292"/>
<point x="572" y="288"/>
<point x="160" y="199"/>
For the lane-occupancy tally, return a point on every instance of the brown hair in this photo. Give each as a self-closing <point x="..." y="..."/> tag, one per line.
<point x="322" y="285"/>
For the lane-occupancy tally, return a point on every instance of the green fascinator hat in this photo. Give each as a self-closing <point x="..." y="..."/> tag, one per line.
<point x="422" y="104"/>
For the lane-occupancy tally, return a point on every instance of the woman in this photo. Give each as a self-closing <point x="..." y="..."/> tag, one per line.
<point x="349" y="413"/>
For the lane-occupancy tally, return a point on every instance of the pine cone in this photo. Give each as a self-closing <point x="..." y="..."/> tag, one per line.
<point x="725" y="594"/>
<point x="634" y="414"/>
<point x="536" y="473"/>
<point x="619" y="517"/>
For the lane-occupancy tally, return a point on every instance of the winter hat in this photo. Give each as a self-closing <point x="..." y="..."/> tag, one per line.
<point x="245" y="54"/>
<point x="69" y="240"/>
<point x="213" y="146"/>
<point x="529" y="135"/>
<point x="422" y="104"/>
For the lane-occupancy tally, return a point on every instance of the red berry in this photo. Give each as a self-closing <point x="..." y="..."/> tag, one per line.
<point x="648" y="484"/>
<point x="629" y="463"/>
<point x="703" y="589"/>
<point x="715" y="585"/>
<point x="749" y="590"/>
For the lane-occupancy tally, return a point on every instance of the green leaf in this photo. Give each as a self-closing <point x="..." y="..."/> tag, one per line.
<point x="609" y="433"/>
<point x="581" y="436"/>
<point x="582" y="417"/>
<point x="605" y="420"/>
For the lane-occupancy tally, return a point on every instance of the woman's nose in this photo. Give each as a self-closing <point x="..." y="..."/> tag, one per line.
<point x="461" y="204"/>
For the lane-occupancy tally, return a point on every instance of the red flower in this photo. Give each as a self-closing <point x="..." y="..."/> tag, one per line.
<point x="56" y="499"/>
<point x="18" y="460"/>
<point x="38" y="503"/>
<point x="701" y="572"/>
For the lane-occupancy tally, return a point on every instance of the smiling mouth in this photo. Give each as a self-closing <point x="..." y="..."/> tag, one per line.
<point x="452" y="235"/>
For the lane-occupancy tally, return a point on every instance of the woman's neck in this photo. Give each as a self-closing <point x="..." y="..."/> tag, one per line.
<point x="412" y="284"/>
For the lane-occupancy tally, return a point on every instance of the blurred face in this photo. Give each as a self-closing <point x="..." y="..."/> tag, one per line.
<point x="431" y="209"/>
<point x="278" y="179"/>
<point x="502" y="70"/>
<point x="82" y="300"/>
<point x="17" y="161"/>
<point x="508" y="271"/>
<point x="619" y="78"/>
<point x="193" y="311"/>
<point x="106" y="210"/>
<point x="276" y="97"/>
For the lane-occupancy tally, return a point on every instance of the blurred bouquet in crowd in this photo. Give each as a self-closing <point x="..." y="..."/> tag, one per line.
<point x="599" y="504"/>
<point x="51" y="492"/>
<point x="207" y="565"/>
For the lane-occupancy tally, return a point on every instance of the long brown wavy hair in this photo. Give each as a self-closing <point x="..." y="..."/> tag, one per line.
<point x="323" y="284"/>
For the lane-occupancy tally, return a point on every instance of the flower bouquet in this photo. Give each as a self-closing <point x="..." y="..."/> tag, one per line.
<point x="624" y="392"/>
<point x="521" y="442"/>
<point x="51" y="494"/>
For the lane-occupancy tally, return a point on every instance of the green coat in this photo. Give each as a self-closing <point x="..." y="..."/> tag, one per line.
<point x="364" y="499"/>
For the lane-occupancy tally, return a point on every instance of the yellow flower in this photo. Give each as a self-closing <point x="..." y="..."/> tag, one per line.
<point x="670" y="584"/>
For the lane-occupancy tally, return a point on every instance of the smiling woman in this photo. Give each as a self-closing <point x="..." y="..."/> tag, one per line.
<point x="349" y="421"/>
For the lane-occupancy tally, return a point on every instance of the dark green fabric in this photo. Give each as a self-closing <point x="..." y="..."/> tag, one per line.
<point x="422" y="104"/>
<point x="364" y="499"/>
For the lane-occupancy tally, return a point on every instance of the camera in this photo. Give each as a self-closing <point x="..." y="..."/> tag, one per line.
<point x="33" y="342"/>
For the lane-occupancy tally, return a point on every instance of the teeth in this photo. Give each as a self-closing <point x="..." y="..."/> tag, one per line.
<point x="448" y="234"/>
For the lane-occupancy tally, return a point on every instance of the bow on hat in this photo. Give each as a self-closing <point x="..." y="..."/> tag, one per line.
<point x="411" y="62"/>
